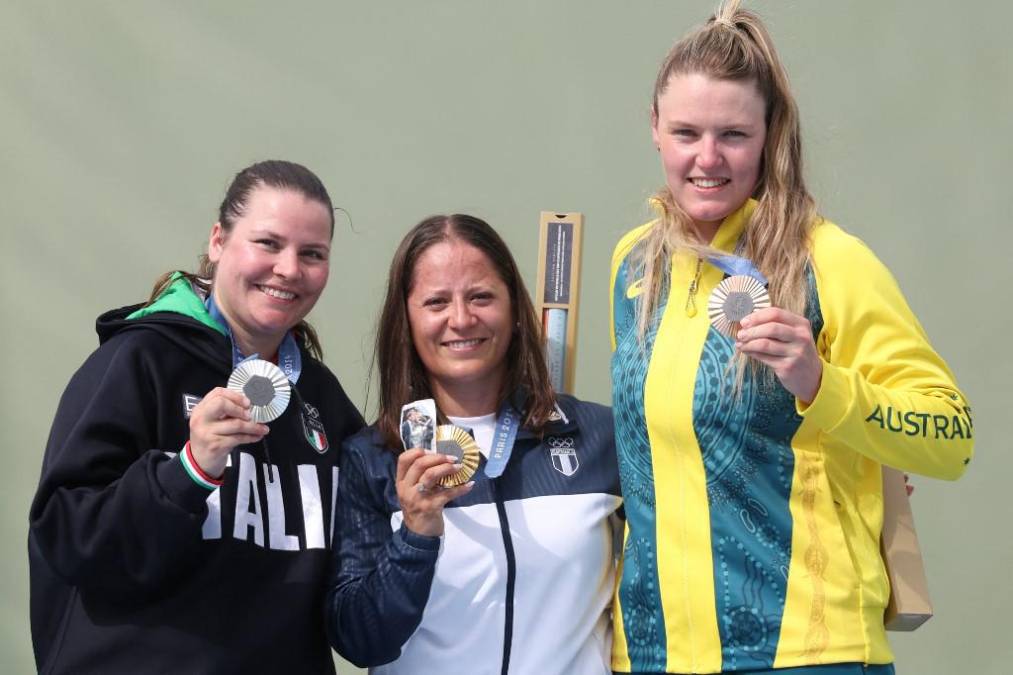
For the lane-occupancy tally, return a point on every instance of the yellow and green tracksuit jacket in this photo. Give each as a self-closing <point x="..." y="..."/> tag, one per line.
<point x="753" y="520"/>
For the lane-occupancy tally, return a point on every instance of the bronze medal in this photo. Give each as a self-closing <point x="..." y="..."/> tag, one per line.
<point x="733" y="300"/>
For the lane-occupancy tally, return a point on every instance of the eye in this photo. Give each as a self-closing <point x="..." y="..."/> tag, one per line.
<point x="735" y="134"/>
<point x="435" y="302"/>
<point x="316" y="254"/>
<point x="267" y="243"/>
<point x="684" y="133"/>
<point x="482" y="297"/>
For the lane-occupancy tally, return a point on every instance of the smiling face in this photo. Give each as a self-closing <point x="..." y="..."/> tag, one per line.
<point x="271" y="267"/>
<point x="461" y="322"/>
<point x="711" y="135"/>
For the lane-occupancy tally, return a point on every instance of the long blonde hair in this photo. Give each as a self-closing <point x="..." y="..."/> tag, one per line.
<point x="735" y="45"/>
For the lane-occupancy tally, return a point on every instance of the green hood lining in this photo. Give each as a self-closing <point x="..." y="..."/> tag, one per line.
<point x="180" y="298"/>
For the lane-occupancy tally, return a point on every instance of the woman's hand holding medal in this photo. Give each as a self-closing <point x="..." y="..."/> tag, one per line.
<point x="220" y="422"/>
<point x="783" y="341"/>
<point x="418" y="489"/>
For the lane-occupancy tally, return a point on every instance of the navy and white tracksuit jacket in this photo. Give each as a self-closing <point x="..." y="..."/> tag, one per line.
<point x="520" y="582"/>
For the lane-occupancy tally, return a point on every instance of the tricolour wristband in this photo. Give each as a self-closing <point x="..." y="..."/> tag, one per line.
<point x="193" y="469"/>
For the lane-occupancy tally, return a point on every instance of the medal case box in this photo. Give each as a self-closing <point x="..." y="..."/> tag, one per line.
<point x="557" y="294"/>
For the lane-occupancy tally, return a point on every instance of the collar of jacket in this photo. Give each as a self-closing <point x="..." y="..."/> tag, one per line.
<point x="180" y="297"/>
<point x="564" y="405"/>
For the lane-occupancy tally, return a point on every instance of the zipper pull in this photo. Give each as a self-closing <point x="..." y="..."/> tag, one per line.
<point x="693" y="286"/>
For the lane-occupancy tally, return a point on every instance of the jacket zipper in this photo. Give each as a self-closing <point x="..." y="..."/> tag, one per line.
<point x="508" y="547"/>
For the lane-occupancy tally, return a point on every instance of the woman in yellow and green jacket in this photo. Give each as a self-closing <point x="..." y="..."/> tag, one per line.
<point x="751" y="444"/>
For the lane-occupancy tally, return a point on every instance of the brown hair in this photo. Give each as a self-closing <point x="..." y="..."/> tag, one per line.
<point x="273" y="173"/>
<point x="402" y="375"/>
<point x="735" y="45"/>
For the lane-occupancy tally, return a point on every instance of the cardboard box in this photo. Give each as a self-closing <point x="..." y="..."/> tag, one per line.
<point x="910" y="605"/>
<point x="557" y="295"/>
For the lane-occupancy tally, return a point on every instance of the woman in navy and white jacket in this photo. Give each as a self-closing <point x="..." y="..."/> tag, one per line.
<point x="511" y="574"/>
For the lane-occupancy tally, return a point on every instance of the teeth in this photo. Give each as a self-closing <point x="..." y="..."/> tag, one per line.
<point x="275" y="293"/>
<point x="708" y="182"/>
<point x="463" y="344"/>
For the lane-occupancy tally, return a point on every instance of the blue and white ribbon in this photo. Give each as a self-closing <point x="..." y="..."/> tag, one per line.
<point x="733" y="265"/>
<point x="289" y="357"/>
<point x="503" y="440"/>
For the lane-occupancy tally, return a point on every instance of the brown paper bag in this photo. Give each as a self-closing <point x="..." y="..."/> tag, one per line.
<point x="909" y="605"/>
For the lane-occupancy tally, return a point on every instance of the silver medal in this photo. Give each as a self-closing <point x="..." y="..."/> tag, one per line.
<point x="265" y="385"/>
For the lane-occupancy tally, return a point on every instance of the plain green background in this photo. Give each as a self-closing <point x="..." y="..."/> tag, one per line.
<point x="121" y="123"/>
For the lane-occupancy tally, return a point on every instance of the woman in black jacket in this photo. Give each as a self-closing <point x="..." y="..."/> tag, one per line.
<point x="172" y="531"/>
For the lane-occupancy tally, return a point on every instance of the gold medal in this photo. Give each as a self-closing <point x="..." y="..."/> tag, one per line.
<point x="265" y="385"/>
<point x="733" y="300"/>
<point x="456" y="442"/>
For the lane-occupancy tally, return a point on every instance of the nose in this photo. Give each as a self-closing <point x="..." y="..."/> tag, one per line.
<point x="709" y="156"/>
<point x="460" y="315"/>
<point x="286" y="264"/>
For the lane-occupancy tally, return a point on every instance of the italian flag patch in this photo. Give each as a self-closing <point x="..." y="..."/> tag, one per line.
<point x="317" y="440"/>
<point x="313" y="428"/>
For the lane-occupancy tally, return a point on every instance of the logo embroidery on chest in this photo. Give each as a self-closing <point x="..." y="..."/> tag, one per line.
<point x="313" y="428"/>
<point x="563" y="454"/>
<point x="635" y="289"/>
<point x="190" y="402"/>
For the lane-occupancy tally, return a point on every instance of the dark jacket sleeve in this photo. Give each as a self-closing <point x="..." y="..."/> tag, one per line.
<point x="380" y="578"/>
<point x="113" y="512"/>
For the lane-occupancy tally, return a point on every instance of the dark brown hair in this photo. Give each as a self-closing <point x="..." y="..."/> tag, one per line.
<point x="274" y="173"/>
<point x="402" y="375"/>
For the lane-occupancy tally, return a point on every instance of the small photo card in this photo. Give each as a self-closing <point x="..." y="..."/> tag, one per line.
<point x="418" y="425"/>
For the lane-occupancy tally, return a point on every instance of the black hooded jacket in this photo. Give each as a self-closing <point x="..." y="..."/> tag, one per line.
<point x="136" y="568"/>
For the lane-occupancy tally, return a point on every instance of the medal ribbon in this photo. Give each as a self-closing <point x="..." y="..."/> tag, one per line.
<point x="503" y="440"/>
<point x="734" y="265"/>
<point x="289" y="357"/>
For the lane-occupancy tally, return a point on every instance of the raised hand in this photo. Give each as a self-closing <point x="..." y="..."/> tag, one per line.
<point x="220" y="422"/>
<point x="418" y="489"/>
<point x="783" y="341"/>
